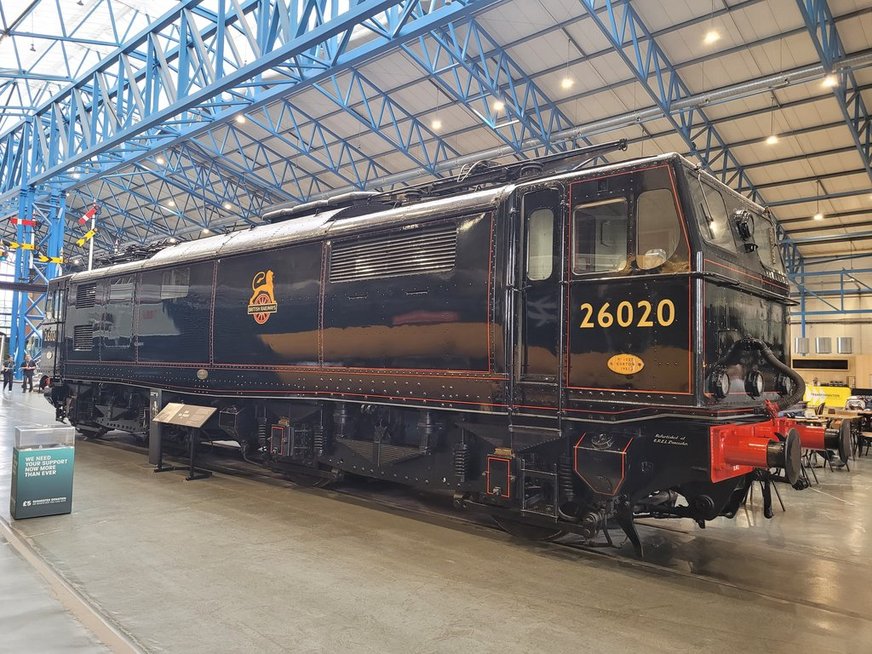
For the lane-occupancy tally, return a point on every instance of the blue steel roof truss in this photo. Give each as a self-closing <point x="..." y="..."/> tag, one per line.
<point x="825" y="36"/>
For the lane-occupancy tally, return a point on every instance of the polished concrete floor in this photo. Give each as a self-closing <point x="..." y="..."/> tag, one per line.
<point x="31" y="617"/>
<point x="231" y="564"/>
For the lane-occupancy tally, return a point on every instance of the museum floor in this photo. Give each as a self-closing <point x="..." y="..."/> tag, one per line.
<point x="233" y="564"/>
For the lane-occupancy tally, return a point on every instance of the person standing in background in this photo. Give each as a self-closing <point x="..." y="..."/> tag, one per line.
<point x="8" y="369"/>
<point x="28" y="366"/>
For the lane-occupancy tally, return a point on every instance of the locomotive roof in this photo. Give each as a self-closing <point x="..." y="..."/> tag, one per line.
<point x="319" y="225"/>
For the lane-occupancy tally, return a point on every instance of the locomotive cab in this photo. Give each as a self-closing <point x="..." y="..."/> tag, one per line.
<point x="664" y="273"/>
<point x="653" y="303"/>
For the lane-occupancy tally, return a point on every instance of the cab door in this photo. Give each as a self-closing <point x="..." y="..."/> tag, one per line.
<point x="53" y="328"/>
<point x="539" y="274"/>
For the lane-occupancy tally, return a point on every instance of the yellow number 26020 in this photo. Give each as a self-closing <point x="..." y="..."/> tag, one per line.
<point x="625" y="314"/>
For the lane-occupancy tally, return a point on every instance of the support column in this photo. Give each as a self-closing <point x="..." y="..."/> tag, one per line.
<point x="54" y="242"/>
<point x="28" y="308"/>
<point x="18" y="327"/>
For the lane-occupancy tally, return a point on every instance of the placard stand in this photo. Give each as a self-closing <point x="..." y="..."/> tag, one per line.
<point x="190" y="416"/>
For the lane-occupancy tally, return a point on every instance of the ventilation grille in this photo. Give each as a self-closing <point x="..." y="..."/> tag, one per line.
<point x="83" y="338"/>
<point x="86" y="295"/>
<point x="395" y="255"/>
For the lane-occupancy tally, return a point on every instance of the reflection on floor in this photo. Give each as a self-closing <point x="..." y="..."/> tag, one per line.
<point x="231" y="564"/>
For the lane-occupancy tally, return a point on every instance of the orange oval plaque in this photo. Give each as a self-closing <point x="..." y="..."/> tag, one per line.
<point x="625" y="364"/>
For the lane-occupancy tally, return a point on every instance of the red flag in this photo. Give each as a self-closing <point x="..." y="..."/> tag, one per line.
<point x="90" y="213"/>
<point x="27" y="222"/>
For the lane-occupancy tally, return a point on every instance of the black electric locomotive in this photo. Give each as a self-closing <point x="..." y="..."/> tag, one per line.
<point x="561" y="346"/>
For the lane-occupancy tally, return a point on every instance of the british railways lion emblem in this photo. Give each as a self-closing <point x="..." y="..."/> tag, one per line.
<point x="263" y="300"/>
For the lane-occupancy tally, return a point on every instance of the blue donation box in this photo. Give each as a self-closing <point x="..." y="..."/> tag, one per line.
<point x="42" y="471"/>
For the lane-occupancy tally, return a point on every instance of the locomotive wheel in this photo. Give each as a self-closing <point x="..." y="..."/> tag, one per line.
<point x="526" y="530"/>
<point x="305" y="480"/>
<point x="91" y="433"/>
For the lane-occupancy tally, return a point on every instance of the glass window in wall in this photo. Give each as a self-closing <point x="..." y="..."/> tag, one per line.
<point x="658" y="228"/>
<point x="174" y="283"/>
<point x="600" y="236"/>
<point x="540" y="244"/>
<point x="711" y="211"/>
<point x="121" y="290"/>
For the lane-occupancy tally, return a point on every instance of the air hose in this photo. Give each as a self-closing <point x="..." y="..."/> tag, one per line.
<point x="769" y="355"/>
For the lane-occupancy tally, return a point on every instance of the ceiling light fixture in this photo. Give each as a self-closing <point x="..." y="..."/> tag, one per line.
<point x="160" y="161"/>
<point x="712" y="35"/>
<point x="240" y="119"/>
<point x="172" y="203"/>
<point x="228" y="206"/>
<point x="830" y="81"/>
<point x="567" y="81"/>
<point x="817" y="203"/>
<point x="206" y="230"/>
<point x="772" y="139"/>
<point x="499" y="105"/>
<point x="436" y="123"/>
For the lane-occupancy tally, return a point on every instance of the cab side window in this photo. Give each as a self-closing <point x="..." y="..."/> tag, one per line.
<point x="712" y="215"/>
<point x="540" y="244"/>
<point x="600" y="236"/>
<point x="658" y="228"/>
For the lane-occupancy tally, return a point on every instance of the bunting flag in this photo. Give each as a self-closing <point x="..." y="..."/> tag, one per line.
<point x="24" y="246"/>
<point x="88" y="215"/>
<point x="87" y="237"/>
<point x="44" y="258"/>
<point x="26" y="222"/>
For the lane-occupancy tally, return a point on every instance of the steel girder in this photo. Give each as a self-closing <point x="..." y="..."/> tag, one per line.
<point x="124" y="213"/>
<point x="356" y="95"/>
<point x="825" y="36"/>
<point x="471" y="68"/>
<point x="191" y="72"/>
<point x="833" y="288"/>
<point x="580" y="132"/>
<point x="818" y="197"/>
<point x="634" y="43"/>
<point x="18" y="81"/>
<point x="307" y="138"/>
